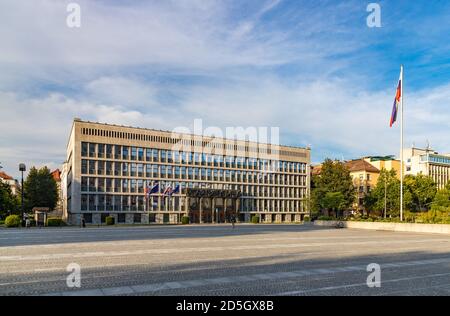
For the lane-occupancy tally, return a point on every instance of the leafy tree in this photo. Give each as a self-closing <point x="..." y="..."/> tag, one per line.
<point x="334" y="201"/>
<point x="422" y="190"/>
<point x="8" y="202"/>
<point x="387" y="182"/>
<point x="441" y="200"/>
<point x="334" y="178"/>
<point x="40" y="189"/>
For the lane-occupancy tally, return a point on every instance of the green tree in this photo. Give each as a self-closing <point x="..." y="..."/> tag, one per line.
<point x="422" y="190"/>
<point x="334" y="178"/>
<point x="387" y="184"/>
<point x="40" y="189"/>
<point x="8" y="202"/>
<point x="334" y="201"/>
<point x="441" y="200"/>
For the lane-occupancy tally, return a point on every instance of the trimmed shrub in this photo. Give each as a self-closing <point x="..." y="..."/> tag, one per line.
<point x="12" y="221"/>
<point x="255" y="219"/>
<point x="109" y="220"/>
<point x="54" y="221"/>
<point x="185" y="220"/>
<point x="306" y="219"/>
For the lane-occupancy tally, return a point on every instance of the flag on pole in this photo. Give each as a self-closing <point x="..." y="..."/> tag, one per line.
<point x="168" y="191"/>
<point x="176" y="190"/>
<point x="154" y="189"/>
<point x="397" y="100"/>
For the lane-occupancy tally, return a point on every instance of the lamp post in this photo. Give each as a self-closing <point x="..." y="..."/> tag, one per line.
<point x="22" y="168"/>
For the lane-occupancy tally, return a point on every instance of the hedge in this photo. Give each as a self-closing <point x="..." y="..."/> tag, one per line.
<point x="110" y="220"/>
<point x="255" y="219"/>
<point x="185" y="220"/>
<point x="12" y="221"/>
<point x="54" y="221"/>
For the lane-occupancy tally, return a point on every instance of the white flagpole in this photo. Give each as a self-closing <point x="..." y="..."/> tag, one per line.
<point x="401" y="142"/>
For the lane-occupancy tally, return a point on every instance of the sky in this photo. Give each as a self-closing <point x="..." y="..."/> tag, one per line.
<point x="312" y="68"/>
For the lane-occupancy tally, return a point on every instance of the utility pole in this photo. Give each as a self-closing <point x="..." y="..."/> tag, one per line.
<point x="385" y="194"/>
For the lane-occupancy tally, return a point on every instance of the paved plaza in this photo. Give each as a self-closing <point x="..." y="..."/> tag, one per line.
<point x="218" y="260"/>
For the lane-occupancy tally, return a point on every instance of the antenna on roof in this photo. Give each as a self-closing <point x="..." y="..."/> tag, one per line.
<point x="428" y="145"/>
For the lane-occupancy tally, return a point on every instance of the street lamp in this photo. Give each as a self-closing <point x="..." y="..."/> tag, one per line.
<point x="22" y="168"/>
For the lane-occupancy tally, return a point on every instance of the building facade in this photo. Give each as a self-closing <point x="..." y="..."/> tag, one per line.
<point x="13" y="183"/>
<point x="365" y="177"/>
<point x="109" y="170"/>
<point x="429" y="163"/>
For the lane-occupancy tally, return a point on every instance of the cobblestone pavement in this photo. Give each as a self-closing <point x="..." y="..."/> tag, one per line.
<point x="219" y="260"/>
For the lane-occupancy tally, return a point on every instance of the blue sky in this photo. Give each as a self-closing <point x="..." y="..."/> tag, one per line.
<point x="312" y="68"/>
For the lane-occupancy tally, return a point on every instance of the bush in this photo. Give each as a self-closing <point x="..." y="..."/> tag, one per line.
<point x="54" y="221"/>
<point x="12" y="221"/>
<point x="185" y="220"/>
<point x="110" y="220"/>
<point x="306" y="219"/>
<point x="2" y="222"/>
<point x="255" y="219"/>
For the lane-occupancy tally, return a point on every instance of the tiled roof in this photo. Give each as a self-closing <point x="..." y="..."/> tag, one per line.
<point x="360" y="165"/>
<point x="5" y="176"/>
<point x="56" y="175"/>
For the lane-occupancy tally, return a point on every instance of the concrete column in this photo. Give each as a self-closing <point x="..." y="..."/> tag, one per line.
<point x="213" y="209"/>
<point x="201" y="209"/>
<point x="186" y="206"/>
<point x="236" y="201"/>
<point x="225" y="210"/>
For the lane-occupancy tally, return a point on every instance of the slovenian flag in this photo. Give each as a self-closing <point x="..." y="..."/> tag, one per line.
<point x="397" y="100"/>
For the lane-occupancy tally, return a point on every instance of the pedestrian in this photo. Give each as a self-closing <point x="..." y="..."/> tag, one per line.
<point x="233" y="220"/>
<point x="27" y="223"/>
<point x="83" y="222"/>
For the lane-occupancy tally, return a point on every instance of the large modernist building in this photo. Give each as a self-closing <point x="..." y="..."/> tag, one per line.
<point x="142" y="175"/>
<point x="428" y="162"/>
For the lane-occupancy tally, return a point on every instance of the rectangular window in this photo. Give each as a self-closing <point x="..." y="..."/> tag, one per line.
<point x="91" y="150"/>
<point x="140" y="153"/>
<point x="84" y="166"/>
<point x="84" y="149"/>
<point x="125" y="152"/>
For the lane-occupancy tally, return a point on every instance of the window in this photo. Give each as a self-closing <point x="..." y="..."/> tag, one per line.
<point x="91" y="150"/>
<point x="121" y="218"/>
<point x="133" y="153"/>
<point x="91" y="166"/>
<point x="84" y="202"/>
<point x="137" y="218"/>
<point x="87" y="218"/>
<point x="368" y="177"/>
<point x="84" y="149"/>
<point x="125" y="152"/>
<point x="140" y="153"/>
<point x="101" y="150"/>
<point x="84" y="164"/>
<point x="84" y="183"/>
<point x="109" y="150"/>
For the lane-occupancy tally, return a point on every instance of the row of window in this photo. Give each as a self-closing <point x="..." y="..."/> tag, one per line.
<point x="132" y="203"/>
<point x="92" y="150"/>
<point x="261" y="148"/>
<point x="124" y="169"/>
<point x="92" y="184"/>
